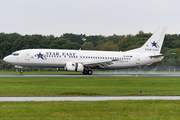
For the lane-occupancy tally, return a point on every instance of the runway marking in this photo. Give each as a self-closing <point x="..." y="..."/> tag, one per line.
<point x="21" y="99"/>
<point x="94" y="75"/>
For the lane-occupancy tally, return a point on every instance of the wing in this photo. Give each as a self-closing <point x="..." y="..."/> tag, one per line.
<point x="100" y="64"/>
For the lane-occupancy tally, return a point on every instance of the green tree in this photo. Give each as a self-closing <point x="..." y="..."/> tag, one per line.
<point x="109" y="46"/>
<point x="62" y="43"/>
<point x="46" y="41"/>
<point x="168" y="40"/>
<point x="123" y="44"/>
<point x="74" y="38"/>
<point x="115" y="38"/>
<point x="95" y="39"/>
<point x="88" y="46"/>
<point x="6" y="65"/>
<point x="72" y="45"/>
<point x="5" y="47"/>
<point x="59" y="43"/>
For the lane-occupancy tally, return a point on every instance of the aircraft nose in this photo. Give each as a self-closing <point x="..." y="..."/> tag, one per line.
<point x="7" y="59"/>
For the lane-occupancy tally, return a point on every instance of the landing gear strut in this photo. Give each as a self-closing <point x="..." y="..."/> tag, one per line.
<point x="87" y="72"/>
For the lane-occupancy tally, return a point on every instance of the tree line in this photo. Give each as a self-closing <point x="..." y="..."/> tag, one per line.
<point x="14" y="41"/>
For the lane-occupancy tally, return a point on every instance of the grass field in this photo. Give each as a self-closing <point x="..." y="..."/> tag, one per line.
<point x="102" y="86"/>
<point x="98" y="110"/>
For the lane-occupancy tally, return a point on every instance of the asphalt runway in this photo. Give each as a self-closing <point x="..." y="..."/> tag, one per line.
<point x="94" y="75"/>
<point x="23" y="99"/>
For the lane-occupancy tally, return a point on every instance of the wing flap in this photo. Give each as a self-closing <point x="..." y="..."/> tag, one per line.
<point x="100" y="64"/>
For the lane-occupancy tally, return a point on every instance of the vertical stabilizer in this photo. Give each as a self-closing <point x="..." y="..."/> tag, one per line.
<point x="154" y="44"/>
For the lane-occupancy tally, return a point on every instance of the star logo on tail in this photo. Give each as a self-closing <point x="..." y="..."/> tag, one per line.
<point x="40" y="55"/>
<point x="154" y="44"/>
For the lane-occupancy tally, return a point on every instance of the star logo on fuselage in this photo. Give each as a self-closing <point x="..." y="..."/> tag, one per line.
<point x="40" y="55"/>
<point x="154" y="44"/>
<point x="73" y="65"/>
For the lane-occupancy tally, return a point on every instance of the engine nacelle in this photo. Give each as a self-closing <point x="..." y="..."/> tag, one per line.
<point x="70" y="66"/>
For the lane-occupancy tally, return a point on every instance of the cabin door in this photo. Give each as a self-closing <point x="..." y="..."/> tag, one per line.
<point x="137" y="59"/>
<point x="27" y="55"/>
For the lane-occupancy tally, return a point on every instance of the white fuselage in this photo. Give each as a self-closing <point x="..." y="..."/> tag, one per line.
<point x="58" y="58"/>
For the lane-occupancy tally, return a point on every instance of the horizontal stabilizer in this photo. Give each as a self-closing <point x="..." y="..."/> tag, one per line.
<point x="155" y="56"/>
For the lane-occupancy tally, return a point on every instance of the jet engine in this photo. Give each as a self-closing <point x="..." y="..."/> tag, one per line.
<point x="70" y="66"/>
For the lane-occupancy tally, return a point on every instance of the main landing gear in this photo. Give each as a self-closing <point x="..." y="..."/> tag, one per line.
<point x="87" y="72"/>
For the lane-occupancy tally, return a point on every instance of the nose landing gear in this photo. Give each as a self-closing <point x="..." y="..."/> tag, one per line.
<point x="19" y="68"/>
<point x="21" y="71"/>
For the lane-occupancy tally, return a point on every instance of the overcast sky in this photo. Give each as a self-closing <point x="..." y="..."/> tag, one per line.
<point x="90" y="17"/>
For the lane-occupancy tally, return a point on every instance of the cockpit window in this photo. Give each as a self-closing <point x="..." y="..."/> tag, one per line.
<point x="15" y="54"/>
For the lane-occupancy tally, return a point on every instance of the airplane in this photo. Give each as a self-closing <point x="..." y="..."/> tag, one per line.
<point x="86" y="60"/>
